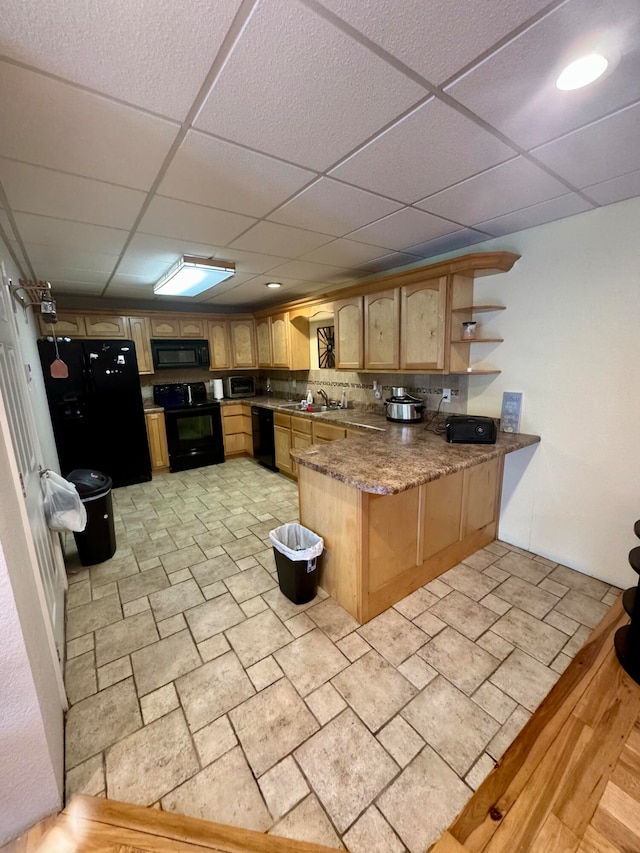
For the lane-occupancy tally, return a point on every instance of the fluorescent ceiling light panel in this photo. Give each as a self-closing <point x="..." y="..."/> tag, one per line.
<point x="582" y="72"/>
<point x="190" y="276"/>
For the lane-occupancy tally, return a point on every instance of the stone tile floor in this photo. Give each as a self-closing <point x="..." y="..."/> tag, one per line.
<point x="195" y="686"/>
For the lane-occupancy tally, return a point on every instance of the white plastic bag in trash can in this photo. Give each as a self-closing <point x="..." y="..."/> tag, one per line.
<point x="63" y="508"/>
<point x="297" y="543"/>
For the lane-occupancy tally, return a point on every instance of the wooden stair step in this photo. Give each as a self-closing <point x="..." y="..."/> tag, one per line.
<point x="92" y="824"/>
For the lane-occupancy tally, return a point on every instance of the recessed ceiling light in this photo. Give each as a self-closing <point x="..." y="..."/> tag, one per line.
<point x="582" y="72"/>
<point x="274" y="284"/>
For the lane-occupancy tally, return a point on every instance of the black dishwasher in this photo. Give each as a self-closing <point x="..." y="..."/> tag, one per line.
<point x="264" y="448"/>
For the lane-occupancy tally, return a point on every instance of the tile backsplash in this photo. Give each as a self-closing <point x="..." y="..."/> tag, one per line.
<point x="359" y="386"/>
<point x="294" y="384"/>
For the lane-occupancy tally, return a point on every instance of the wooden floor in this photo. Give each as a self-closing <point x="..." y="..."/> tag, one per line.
<point x="570" y="782"/>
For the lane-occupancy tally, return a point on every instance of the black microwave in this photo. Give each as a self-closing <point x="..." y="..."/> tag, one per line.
<point x="172" y="354"/>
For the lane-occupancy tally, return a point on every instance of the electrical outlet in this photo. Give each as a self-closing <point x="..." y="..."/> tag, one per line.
<point x="446" y="395"/>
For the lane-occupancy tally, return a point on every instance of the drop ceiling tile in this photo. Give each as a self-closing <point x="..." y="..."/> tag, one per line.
<point x="150" y="256"/>
<point x="605" y="149"/>
<point x="345" y="253"/>
<point x="448" y="243"/>
<point x="32" y="189"/>
<point x="17" y="251"/>
<point x="333" y="208"/>
<point x="250" y="262"/>
<point x="502" y="189"/>
<point x="538" y="214"/>
<point x="155" y="55"/>
<point x="184" y="220"/>
<point x="129" y="290"/>
<point x="79" y="288"/>
<point x="6" y="225"/>
<point x="225" y="176"/>
<point x="617" y="189"/>
<point x="50" y="257"/>
<point x="456" y="33"/>
<point x="390" y="262"/>
<point x="306" y="271"/>
<point x="72" y="275"/>
<point x="64" y="233"/>
<point x="404" y="228"/>
<point x="269" y="238"/>
<point x="49" y="123"/>
<point x="287" y="59"/>
<point x="255" y="293"/>
<point x="515" y="91"/>
<point x="429" y="150"/>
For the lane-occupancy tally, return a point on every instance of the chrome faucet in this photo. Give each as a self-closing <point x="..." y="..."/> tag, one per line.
<point x="322" y="394"/>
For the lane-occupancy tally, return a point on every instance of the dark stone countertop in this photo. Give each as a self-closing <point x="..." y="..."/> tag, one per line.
<point x="386" y="458"/>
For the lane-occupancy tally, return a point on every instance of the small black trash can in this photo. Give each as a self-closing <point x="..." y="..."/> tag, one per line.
<point x="297" y="551"/>
<point x="97" y="542"/>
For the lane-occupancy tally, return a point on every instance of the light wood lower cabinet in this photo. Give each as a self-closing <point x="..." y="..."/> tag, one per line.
<point x="380" y="548"/>
<point x="237" y="429"/>
<point x="157" y="436"/>
<point x="290" y="432"/>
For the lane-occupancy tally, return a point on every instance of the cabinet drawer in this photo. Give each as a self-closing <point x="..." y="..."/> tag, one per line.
<point x="282" y="420"/>
<point x="231" y="410"/>
<point x="327" y="432"/>
<point x="302" y="425"/>
<point x="247" y="425"/>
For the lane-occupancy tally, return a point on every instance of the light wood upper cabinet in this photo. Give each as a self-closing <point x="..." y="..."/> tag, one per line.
<point x="423" y="325"/>
<point x="178" y="327"/>
<point x="106" y="326"/>
<point x="140" y="334"/>
<point x="219" y="353"/>
<point x="243" y="348"/>
<point x="382" y="330"/>
<point x="71" y="325"/>
<point x="283" y="341"/>
<point x="165" y="327"/>
<point x="193" y="329"/>
<point x="263" y="337"/>
<point x="349" y="333"/>
<point x="280" y="340"/>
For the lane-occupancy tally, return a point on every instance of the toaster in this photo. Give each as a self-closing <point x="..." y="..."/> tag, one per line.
<point x="470" y="429"/>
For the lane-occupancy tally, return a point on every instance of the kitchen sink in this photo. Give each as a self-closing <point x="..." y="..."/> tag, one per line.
<point x="317" y="410"/>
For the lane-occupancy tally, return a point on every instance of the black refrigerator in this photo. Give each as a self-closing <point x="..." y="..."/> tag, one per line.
<point x="97" y="413"/>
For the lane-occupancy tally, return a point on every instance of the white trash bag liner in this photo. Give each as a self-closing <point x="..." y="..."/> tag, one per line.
<point x="63" y="508"/>
<point x="296" y="542"/>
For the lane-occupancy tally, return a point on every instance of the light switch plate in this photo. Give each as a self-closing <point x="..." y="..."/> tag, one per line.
<point x="511" y="411"/>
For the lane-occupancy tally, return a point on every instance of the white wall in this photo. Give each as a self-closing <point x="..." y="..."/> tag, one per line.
<point x="572" y="345"/>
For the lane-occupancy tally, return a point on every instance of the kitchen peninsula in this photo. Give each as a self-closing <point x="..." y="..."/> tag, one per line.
<point x="398" y="507"/>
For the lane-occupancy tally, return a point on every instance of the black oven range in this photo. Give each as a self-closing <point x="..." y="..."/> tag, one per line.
<point x="194" y="425"/>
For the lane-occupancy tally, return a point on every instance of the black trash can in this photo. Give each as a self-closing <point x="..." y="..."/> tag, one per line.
<point x="297" y="551"/>
<point x="97" y="542"/>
